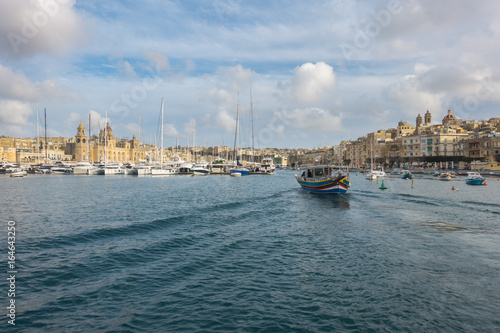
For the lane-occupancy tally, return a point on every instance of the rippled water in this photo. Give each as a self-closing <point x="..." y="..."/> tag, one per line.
<point x="253" y="254"/>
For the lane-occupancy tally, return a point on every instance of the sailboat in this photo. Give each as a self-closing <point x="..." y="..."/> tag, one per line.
<point x="374" y="173"/>
<point x="238" y="168"/>
<point x="110" y="168"/>
<point x="161" y="171"/>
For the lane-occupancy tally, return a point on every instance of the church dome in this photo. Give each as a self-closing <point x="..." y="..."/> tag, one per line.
<point x="449" y="116"/>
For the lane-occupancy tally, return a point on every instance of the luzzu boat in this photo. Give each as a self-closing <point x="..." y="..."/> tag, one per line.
<point x="474" y="178"/>
<point x="324" y="179"/>
<point x="444" y="176"/>
<point x="407" y="175"/>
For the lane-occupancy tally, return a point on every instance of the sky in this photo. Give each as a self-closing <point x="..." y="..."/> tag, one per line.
<point x="311" y="73"/>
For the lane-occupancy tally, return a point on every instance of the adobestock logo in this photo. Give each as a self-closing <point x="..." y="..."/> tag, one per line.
<point x="379" y="20"/>
<point x="32" y="24"/>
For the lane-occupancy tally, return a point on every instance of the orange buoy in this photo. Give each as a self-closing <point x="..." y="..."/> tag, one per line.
<point x="453" y="188"/>
<point x="485" y="183"/>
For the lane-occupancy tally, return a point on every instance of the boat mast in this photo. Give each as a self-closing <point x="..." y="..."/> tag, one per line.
<point x="188" y="157"/>
<point x="139" y="146"/>
<point x="88" y="153"/>
<point x="46" y="155"/>
<point x="106" y="139"/>
<point x="235" y="154"/>
<point x="251" y="117"/>
<point x="161" y="139"/>
<point x="194" y="142"/>
<point x="371" y="160"/>
<point x="37" y="137"/>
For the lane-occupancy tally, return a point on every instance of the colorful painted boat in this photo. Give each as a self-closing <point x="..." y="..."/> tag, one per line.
<point x="407" y="175"/>
<point x="241" y="170"/>
<point x="444" y="176"/>
<point x="474" y="178"/>
<point x="324" y="179"/>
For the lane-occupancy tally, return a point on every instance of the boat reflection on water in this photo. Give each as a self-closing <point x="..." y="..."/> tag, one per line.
<point x="321" y="201"/>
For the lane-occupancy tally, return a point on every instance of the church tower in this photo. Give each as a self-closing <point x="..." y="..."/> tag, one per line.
<point x="419" y="120"/>
<point x="427" y="118"/>
<point x="81" y="145"/>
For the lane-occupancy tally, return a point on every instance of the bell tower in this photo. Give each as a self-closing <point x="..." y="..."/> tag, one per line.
<point x="81" y="145"/>
<point x="427" y="118"/>
<point x="419" y="121"/>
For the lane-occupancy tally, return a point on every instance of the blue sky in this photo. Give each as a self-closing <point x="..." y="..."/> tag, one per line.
<point x="320" y="71"/>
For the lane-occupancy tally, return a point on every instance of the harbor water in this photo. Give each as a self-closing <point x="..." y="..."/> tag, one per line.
<point x="252" y="254"/>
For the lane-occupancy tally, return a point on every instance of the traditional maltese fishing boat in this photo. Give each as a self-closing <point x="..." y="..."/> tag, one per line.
<point x="324" y="179"/>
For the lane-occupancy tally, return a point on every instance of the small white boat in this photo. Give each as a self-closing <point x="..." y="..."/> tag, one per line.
<point x="474" y="178"/>
<point x="375" y="174"/>
<point x="235" y="174"/>
<point x="64" y="170"/>
<point x="200" y="169"/>
<point x="18" y="173"/>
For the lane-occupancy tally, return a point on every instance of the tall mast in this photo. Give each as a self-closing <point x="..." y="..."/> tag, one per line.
<point x="236" y="131"/>
<point x="194" y="142"/>
<point x="161" y="140"/>
<point x="106" y="139"/>
<point x="251" y="116"/>
<point x="46" y="155"/>
<point x="88" y="153"/>
<point x="187" y="148"/>
<point x="37" y="137"/>
<point x="139" y="140"/>
<point x="98" y="139"/>
<point x="371" y="159"/>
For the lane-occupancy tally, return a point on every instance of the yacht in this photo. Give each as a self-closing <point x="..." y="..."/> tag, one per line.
<point x="141" y="170"/>
<point x="113" y="169"/>
<point x="185" y="168"/>
<point x="163" y="171"/>
<point x="200" y="169"/>
<point x="83" y="168"/>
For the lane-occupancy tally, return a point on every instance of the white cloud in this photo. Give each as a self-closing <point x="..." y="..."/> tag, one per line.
<point x="126" y="68"/>
<point x="237" y="77"/>
<point x="411" y="98"/>
<point x="315" y="119"/>
<point x="74" y="120"/>
<point x="220" y="97"/>
<point x="15" y="112"/>
<point x="32" y="27"/>
<point x="98" y="121"/>
<point x="15" y="85"/>
<point x="310" y="84"/>
<point x="157" y="61"/>
<point x="225" y="121"/>
<point x="171" y="131"/>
